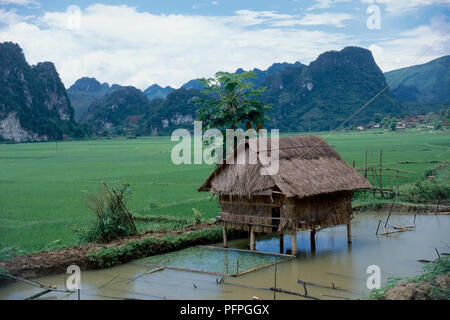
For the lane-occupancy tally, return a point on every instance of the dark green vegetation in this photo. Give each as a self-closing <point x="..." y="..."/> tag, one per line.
<point x="319" y="96"/>
<point x="178" y="110"/>
<point x="230" y="101"/>
<point x="428" y="82"/>
<point x="44" y="188"/>
<point x="86" y="91"/>
<point x="111" y="256"/>
<point x="428" y="282"/>
<point x="328" y="91"/>
<point x="157" y="92"/>
<point x="112" y="217"/>
<point x="33" y="102"/>
<point x="314" y="97"/>
<point x="122" y="108"/>
<point x="434" y="185"/>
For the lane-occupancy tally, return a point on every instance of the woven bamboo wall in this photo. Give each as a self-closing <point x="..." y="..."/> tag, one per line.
<point x="323" y="211"/>
<point x="308" y="213"/>
<point x="243" y="210"/>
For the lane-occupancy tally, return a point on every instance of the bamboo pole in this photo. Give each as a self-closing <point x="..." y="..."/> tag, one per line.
<point x="275" y="280"/>
<point x="242" y="250"/>
<point x="252" y="239"/>
<point x="294" y="242"/>
<point x="294" y="293"/>
<point x="349" y="232"/>
<point x="281" y="242"/>
<point x="365" y="166"/>
<point x="390" y="212"/>
<point x="406" y="227"/>
<point x="398" y="182"/>
<point x="379" y="222"/>
<point x="312" y="237"/>
<point x="381" y="167"/>
<point x="39" y="294"/>
<point x="225" y="239"/>
<point x="390" y="232"/>
<point x="333" y="287"/>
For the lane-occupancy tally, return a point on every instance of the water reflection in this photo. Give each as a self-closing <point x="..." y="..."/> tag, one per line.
<point x="333" y="263"/>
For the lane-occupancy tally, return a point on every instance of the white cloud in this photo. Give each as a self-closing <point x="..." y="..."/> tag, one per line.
<point x="403" y="6"/>
<point x="416" y="46"/>
<point x="199" y="5"/>
<point x="118" y="44"/>
<point x="325" y="4"/>
<point x="334" y="19"/>
<point x="21" y="2"/>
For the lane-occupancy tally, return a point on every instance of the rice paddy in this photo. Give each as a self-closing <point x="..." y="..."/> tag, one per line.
<point x="44" y="185"/>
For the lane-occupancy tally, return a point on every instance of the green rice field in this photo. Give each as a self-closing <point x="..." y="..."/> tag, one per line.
<point x="44" y="185"/>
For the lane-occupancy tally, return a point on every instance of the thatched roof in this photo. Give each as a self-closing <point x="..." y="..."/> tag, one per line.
<point x="308" y="166"/>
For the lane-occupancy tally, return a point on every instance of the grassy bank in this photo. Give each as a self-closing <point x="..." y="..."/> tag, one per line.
<point x="44" y="188"/>
<point x="111" y="256"/>
<point x="432" y="284"/>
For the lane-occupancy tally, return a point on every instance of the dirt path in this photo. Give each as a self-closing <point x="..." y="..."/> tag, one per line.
<point x="53" y="262"/>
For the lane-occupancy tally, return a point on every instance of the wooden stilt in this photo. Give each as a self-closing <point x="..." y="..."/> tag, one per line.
<point x="252" y="240"/>
<point x="349" y="232"/>
<point x="313" y="239"/>
<point x="225" y="240"/>
<point x="294" y="242"/>
<point x="281" y="243"/>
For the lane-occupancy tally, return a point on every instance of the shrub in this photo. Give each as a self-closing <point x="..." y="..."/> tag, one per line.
<point x="432" y="270"/>
<point x="108" y="257"/>
<point x="11" y="252"/>
<point x="112" y="218"/>
<point x="3" y="274"/>
<point x="424" y="190"/>
<point x="198" y="216"/>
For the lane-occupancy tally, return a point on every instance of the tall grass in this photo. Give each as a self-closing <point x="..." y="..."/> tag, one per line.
<point x="434" y="185"/>
<point x="112" y="217"/>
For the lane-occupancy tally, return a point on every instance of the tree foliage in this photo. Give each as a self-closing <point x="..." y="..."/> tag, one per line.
<point x="231" y="101"/>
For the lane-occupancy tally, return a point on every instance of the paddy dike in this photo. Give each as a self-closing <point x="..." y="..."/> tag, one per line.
<point x="54" y="262"/>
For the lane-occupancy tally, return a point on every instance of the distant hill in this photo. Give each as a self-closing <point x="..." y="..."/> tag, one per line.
<point x="157" y="92"/>
<point x="34" y="105"/>
<point x="323" y="94"/>
<point x="85" y="91"/>
<point x="429" y="82"/>
<point x="260" y="75"/>
<point x="178" y="110"/>
<point x="121" y="109"/>
<point x="328" y="91"/>
<point x="319" y="96"/>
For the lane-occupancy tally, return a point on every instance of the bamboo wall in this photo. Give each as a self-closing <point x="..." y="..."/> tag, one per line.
<point x="308" y="213"/>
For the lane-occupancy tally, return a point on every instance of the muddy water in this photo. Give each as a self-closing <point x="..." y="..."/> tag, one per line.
<point x="333" y="262"/>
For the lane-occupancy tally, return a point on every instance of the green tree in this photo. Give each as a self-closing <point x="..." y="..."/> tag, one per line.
<point x="377" y="118"/>
<point x="393" y="124"/>
<point x="231" y="102"/>
<point x="386" y="123"/>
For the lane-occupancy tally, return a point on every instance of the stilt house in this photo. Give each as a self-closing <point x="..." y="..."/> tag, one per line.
<point x="312" y="189"/>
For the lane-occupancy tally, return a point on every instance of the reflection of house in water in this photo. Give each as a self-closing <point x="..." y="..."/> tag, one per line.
<point x="312" y="189"/>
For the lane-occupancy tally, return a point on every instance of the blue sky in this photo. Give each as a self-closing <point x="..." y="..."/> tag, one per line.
<point x="170" y="42"/>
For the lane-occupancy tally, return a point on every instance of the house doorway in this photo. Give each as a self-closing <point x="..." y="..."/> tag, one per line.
<point x="275" y="218"/>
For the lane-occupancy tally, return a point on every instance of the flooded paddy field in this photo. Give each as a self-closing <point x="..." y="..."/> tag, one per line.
<point x="334" y="263"/>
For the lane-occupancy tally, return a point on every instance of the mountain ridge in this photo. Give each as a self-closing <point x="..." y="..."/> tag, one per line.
<point x="33" y="100"/>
